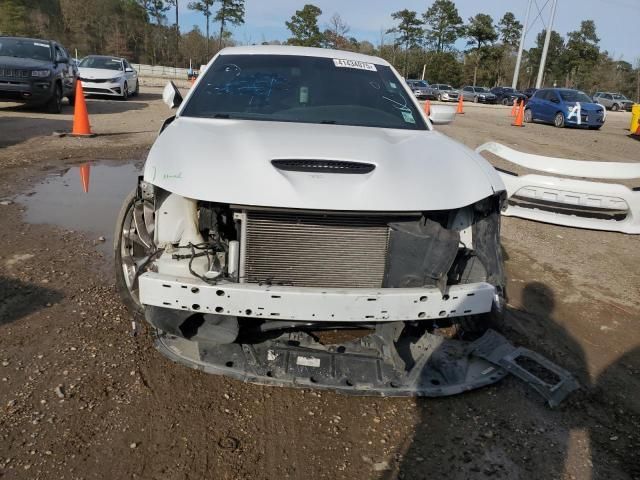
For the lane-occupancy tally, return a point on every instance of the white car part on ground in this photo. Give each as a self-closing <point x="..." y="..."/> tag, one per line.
<point x="568" y="201"/>
<point x="274" y="302"/>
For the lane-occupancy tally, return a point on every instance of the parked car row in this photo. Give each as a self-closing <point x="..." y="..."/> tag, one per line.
<point x="504" y="95"/>
<point x="41" y="73"/>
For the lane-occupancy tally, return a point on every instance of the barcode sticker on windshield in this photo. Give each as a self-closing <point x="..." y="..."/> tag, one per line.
<point x="342" y="63"/>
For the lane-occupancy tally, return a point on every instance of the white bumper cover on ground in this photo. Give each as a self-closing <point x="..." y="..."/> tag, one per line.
<point x="314" y="304"/>
<point x="562" y="198"/>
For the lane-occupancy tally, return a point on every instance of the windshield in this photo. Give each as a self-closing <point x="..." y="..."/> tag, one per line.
<point x="23" y="48"/>
<point x="446" y="87"/>
<point x="481" y="89"/>
<point x="101" y="62"/>
<point x="619" y="96"/>
<point x="420" y="83"/>
<point x="575" y="96"/>
<point x="287" y="88"/>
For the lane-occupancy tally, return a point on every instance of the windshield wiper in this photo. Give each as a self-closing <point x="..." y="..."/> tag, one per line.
<point x="222" y="115"/>
<point x="328" y="122"/>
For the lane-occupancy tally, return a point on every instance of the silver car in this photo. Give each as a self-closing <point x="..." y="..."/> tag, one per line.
<point x="420" y="88"/>
<point x="613" y="101"/>
<point x="444" y="92"/>
<point x="478" y="94"/>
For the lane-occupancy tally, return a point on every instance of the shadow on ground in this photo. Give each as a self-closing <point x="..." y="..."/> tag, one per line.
<point x="508" y="433"/>
<point x="19" y="299"/>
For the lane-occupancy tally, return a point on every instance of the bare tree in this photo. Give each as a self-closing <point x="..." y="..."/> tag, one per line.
<point x="336" y="33"/>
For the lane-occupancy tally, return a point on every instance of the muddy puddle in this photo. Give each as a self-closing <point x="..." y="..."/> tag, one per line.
<point x="84" y="198"/>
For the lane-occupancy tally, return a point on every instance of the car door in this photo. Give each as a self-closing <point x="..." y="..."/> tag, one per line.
<point x="64" y="70"/>
<point x="467" y="93"/>
<point x="552" y="104"/>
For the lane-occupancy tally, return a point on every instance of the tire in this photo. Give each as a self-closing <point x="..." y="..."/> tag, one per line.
<point x="476" y="99"/>
<point x="136" y="92"/>
<point x="558" y="120"/>
<point x="127" y="251"/>
<point x="595" y="127"/>
<point x="505" y="101"/>
<point x="125" y="91"/>
<point x="54" y="105"/>
<point x="528" y="115"/>
<point x="72" y="100"/>
<point x="615" y="107"/>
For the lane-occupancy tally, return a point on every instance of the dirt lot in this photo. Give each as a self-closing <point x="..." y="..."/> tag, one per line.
<point x="81" y="398"/>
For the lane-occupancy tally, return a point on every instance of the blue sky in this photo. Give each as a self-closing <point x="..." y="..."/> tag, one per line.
<point x="617" y="21"/>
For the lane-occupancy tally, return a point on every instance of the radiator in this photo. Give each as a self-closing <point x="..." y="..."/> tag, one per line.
<point x="315" y="249"/>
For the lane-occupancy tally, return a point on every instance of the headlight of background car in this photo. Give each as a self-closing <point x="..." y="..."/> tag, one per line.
<point x="41" y="73"/>
<point x="115" y="79"/>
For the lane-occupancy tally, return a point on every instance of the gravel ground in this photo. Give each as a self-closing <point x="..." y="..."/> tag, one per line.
<point x="81" y="398"/>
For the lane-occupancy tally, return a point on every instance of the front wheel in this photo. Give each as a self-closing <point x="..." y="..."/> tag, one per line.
<point x="136" y="92"/>
<point x="125" y="91"/>
<point x="133" y="249"/>
<point x="505" y="102"/>
<point x="528" y="115"/>
<point x="558" y="121"/>
<point x="54" y="105"/>
<point x="475" y="99"/>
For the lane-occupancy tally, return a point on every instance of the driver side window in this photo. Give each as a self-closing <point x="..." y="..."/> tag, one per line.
<point x="60" y="56"/>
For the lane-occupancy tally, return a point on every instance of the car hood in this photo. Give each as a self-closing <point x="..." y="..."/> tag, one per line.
<point x="99" y="73"/>
<point x="229" y="161"/>
<point x="23" y="63"/>
<point x="587" y="107"/>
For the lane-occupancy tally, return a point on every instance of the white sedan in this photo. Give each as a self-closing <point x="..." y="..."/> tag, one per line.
<point x="301" y="189"/>
<point x="113" y="76"/>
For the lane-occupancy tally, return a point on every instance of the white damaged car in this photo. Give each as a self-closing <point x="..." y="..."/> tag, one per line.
<point x="298" y="190"/>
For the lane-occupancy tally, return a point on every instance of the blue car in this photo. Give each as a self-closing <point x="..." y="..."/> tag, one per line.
<point x="561" y="106"/>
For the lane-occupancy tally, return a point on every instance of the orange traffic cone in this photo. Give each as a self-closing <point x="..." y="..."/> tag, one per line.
<point x="81" y="127"/>
<point x="85" y="170"/>
<point x="427" y="107"/>
<point x="519" y="116"/>
<point x="514" y="108"/>
<point x="460" y="110"/>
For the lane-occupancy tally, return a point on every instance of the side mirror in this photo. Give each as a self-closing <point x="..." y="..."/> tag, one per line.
<point x="128" y="70"/>
<point x="171" y="95"/>
<point x="442" y="114"/>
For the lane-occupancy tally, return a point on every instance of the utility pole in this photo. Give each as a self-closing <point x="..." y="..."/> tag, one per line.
<point x="545" y="49"/>
<point x="177" y="35"/>
<point x="516" y="72"/>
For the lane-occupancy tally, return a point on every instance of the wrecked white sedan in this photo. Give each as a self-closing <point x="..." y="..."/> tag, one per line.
<point x="298" y="190"/>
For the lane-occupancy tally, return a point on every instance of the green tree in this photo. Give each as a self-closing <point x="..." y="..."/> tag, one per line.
<point x="231" y="11"/>
<point x="409" y="31"/>
<point x="510" y="30"/>
<point x="13" y="18"/>
<point x="554" y="68"/>
<point x="443" y="25"/>
<point x="304" y="27"/>
<point x="204" y="7"/>
<point x="581" y="53"/>
<point x="480" y="32"/>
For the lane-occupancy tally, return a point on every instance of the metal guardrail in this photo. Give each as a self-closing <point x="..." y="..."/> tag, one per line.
<point x="160" y="71"/>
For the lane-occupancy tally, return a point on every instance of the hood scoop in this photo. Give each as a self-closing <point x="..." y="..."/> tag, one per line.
<point x="323" y="166"/>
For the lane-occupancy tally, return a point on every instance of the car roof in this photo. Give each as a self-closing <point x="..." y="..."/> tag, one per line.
<point x="103" y="56"/>
<point x="302" y="52"/>
<point x="29" y="39"/>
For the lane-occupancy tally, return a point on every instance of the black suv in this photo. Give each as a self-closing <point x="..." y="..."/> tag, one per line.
<point x="37" y="72"/>
<point x="506" y="95"/>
